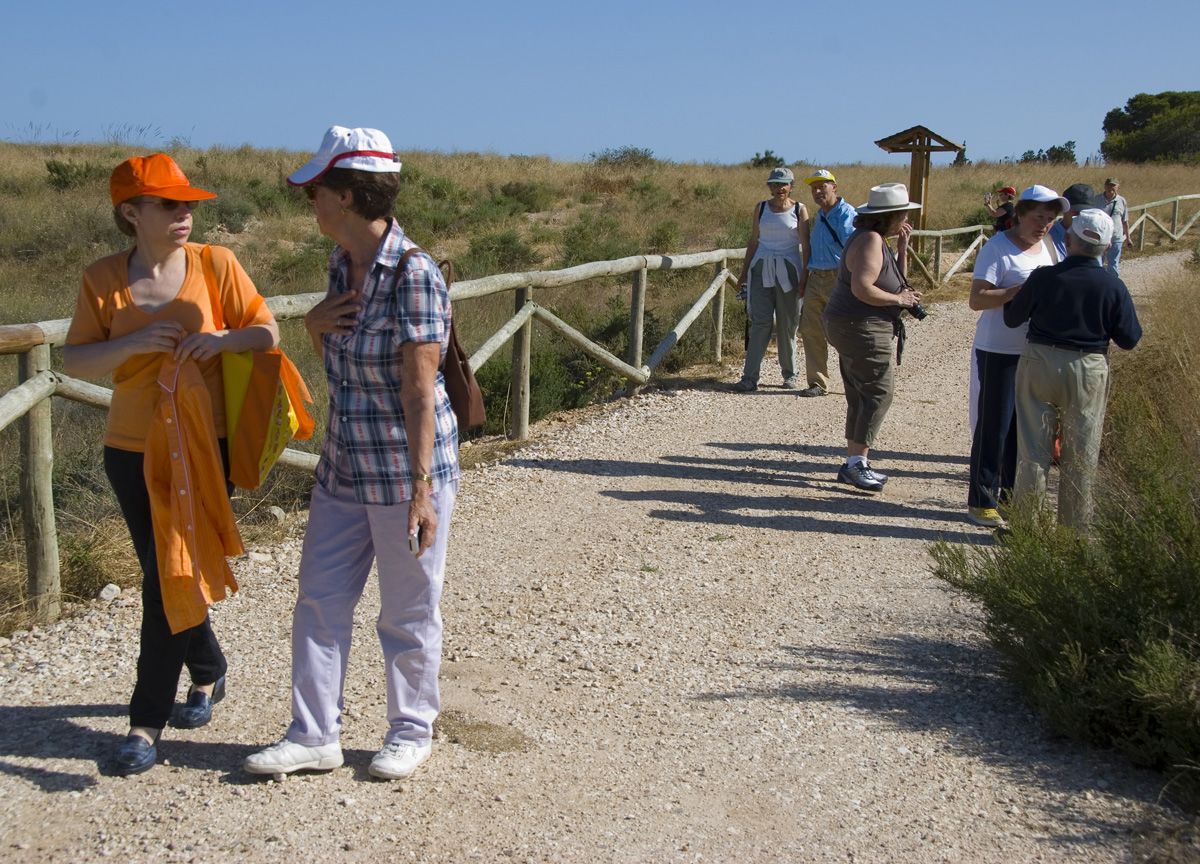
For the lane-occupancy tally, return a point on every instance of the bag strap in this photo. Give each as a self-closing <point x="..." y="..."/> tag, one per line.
<point x="828" y="227"/>
<point x="214" y="292"/>
<point x="1050" y="248"/>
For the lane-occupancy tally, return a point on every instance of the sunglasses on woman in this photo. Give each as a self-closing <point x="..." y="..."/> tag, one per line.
<point x="169" y="205"/>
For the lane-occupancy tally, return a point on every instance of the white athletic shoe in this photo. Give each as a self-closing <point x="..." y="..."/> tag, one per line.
<point x="399" y="759"/>
<point x="284" y="757"/>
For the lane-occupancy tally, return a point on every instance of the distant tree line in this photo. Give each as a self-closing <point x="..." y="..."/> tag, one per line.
<point x="1154" y="127"/>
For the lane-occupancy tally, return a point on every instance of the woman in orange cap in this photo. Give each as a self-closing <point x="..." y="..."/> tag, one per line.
<point x="145" y="316"/>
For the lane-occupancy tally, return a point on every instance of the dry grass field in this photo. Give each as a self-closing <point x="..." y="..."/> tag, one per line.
<point x="489" y="213"/>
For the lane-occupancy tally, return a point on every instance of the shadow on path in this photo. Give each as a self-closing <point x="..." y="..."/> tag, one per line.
<point x="939" y="686"/>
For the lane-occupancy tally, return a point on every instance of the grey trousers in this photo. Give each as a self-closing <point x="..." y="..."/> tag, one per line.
<point x="864" y="347"/>
<point x="765" y="306"/>
<point x="1060" y="386"/>
<point x="343" y="540"/>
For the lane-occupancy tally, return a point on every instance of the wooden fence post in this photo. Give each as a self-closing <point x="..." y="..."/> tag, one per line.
<point x="937" y="260"/>
<point x="718" y="312"/>
<point x="37" y="497"/>
<point x="1175" y="220"/>
<point x="1141" y="234"/>
<point x="521" y="351"/>
<point x="637" y="319"/>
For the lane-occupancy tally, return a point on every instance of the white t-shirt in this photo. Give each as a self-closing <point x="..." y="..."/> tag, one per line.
<point x="1004" y="265"/>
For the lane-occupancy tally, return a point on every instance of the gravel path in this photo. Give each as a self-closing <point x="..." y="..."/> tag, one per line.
<point x="670" y="636"/>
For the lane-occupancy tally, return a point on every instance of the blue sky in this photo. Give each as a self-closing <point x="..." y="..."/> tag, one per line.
<point x="699" y="81"/>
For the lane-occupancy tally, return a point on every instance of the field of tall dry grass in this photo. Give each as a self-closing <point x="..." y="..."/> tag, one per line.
<point x="489" y="213"/>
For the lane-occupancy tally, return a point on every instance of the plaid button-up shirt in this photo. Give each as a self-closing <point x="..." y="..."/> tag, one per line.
<point x="366" y="444"/>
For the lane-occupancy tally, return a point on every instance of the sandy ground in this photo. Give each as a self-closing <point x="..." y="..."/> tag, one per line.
<point x="670" y="636"/>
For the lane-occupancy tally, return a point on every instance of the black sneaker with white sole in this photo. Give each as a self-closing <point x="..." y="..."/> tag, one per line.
<point x="861" y="477"/>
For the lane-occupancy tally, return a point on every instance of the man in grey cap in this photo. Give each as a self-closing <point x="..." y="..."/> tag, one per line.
<point x="1118" y="210"/>
<point x="1075" y="309"/>
<point x="831" y="228"/>
<point x="1079" y="196"/>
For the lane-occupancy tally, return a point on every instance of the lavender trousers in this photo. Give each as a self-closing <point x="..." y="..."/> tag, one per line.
<point x="343" y="539"/>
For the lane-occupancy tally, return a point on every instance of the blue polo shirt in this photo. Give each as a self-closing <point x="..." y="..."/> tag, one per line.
<point x="1058" y="236"/>
<point x="827" y="253"/>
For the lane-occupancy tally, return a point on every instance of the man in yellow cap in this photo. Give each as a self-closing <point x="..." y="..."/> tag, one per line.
<point x="832" y="226"/>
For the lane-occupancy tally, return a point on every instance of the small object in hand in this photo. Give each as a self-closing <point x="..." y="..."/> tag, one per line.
<point x="918" y="311"/>
<point x="414" y="543"/>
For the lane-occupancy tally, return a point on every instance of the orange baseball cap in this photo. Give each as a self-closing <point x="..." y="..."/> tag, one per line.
<point x="156" y="174"/>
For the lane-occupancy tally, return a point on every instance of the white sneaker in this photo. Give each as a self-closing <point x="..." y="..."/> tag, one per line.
<point x="284" y="757"/>
<point x="399" y="759"/>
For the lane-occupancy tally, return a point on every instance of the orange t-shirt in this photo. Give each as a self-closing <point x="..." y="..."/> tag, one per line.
<point x="105" y="310"/>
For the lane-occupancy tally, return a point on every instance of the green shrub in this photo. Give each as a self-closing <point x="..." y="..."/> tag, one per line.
<point x="69" y="175"/>
<point x="534" y="197"/>
<point x="623" y="157"/>
<point x="664" y="237"/>
<point x="595" y="237"/>
<point x="502" y="252"/>
<point x="767" y="159"/>
<point x="707" y="191"/>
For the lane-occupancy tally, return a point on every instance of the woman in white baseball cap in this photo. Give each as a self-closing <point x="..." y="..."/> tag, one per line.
<point x="388" y="473"/>
<point x="1001" y="268"/>
<point x="863" y="318"/>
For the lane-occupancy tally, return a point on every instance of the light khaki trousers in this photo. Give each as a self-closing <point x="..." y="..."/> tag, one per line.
<point x="812" y="328"/>
<point x="1060" y="386"/>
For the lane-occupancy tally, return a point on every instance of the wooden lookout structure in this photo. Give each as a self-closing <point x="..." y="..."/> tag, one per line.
<point x="920" y="141"/>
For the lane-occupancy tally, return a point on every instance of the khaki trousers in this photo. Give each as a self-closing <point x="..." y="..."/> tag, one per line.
<point x="864" y="347"/>
<point x="1060" y="386"/>
<point x="812" y="328"/>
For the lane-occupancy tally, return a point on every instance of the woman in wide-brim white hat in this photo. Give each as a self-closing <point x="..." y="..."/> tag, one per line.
<point x="863" y="318"/>
<point x="388" y="473"/>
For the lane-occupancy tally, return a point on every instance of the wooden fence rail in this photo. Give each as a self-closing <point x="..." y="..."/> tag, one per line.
<point x="29" y="401"/>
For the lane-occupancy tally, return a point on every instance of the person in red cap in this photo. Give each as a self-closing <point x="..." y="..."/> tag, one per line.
<point x="145" y="317"/>
<point x="1003" y="212"/>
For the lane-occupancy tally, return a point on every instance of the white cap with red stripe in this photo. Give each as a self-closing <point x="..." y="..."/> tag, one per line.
<point x="361" y="149"/>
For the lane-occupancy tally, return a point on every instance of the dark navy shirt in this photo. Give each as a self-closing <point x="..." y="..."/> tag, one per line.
<point x="1075" y="304"/>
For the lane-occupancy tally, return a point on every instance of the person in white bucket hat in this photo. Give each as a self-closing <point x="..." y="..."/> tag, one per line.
<point x="388" y="473"/>
<point x="862" y="319"/>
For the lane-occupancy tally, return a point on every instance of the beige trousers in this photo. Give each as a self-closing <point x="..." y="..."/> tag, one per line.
<point x="812" y="328"/>
<point x="1060" y="386"/>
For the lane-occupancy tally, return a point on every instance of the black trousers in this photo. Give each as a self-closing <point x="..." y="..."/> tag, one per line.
<point x="163" y="654"/>
<point x="994" y="447"/>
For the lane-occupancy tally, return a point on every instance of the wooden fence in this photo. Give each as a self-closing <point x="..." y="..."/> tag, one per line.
<point x="29" y="401"/>
<point x="932" y="271"/>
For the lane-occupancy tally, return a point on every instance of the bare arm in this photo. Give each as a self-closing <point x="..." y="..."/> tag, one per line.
<point x="97" y="359"/>
<point x="201" y="346"/>
<point x="985" y="295"/>
<point x="864" y="259"/>
<point x="418" y="397"/>
<point x="751" y="247"/>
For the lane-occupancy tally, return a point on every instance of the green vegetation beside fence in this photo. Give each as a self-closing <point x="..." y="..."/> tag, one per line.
<point x="1102" y="633"/>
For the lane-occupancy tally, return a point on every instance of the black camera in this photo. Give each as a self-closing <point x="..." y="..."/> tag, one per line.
<point x="917" y="311"/>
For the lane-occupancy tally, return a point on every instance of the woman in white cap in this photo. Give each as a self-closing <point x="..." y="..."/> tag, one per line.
<point x="388" y="472"/>
<point x="145" y="316"/>
<point x="862" y="319"/>
<point x="775" y="264"/>
<point x="1001" y="268"/>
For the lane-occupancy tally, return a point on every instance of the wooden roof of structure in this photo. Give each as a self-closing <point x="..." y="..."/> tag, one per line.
<point x="918" y="139"/>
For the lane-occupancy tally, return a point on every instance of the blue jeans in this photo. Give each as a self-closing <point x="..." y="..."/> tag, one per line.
<point x="1112" y="258"/>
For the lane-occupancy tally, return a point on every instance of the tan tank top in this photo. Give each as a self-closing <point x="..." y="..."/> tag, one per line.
<point x="843" y="303"/>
